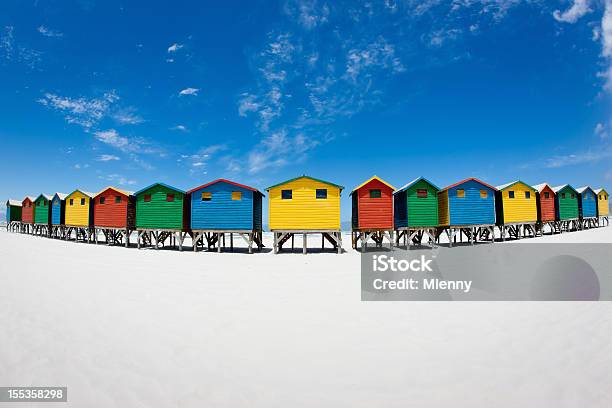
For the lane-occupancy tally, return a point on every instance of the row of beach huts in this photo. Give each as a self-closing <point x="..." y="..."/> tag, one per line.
<point x="415" y="214"/>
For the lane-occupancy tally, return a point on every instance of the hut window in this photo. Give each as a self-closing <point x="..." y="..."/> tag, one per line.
<point x="236" y="195"/>
<point x="546" y="194"/>
<point x="117" y="199"/>
<point x="82" y="201"/>
<point x="460" y="193"/>
<point x="421" y="193"/>
<point x="45" y="203"/>
<point x="170" y="197"/>
<point x="484" y="194"/>
<point x="528" y="194"/>
<point x="286" y="194"/>
<point x="510" y="194"/>
<point x="375" y="194"/>
<point x="56" y="201"/>
<point x="147" y="198"/>
<point x="572" y="196"/>
<point x="321" y="193"/>
<point x="206" y="195"/>
<point x="38" y="204"/>
<point x="562" y="195"/>
<point x="102" y="200"/>
<point x="71" y="201"/>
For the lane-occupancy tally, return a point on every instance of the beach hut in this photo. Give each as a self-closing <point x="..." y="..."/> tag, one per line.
<point x="13" y="215"/>
<point x="587" y="207"/>
<point x="225" y="207"/>
<point x="416" y="211"/>
<point x="305" y="205"/>
<point x="372" y="212"/>
<point x="79" y="215"/>
<point x="603" y="206"/>
<point x="114" y="215"/>
<point x="516" y="210"/>
<point x="42" y="215"/>
<point x="27" y="214"/>
<point x="566" y="207"/>
<point x="162" y="213"/>
<point x="58" y="215"/>
<point x="545" y="202"/>
<point x="467" y="208"/>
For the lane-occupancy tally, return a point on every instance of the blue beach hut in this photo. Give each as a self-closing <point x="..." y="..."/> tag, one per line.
<point x="587" y="202"/>
<point x="224" y="206"/>
<point x="58" y="209"/>
<point x="468" y="202"/>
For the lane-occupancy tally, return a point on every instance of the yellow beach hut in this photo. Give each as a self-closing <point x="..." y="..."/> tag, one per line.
<point x="603" y="206"/>
<point x="516" y="209"/>
<point x="79" y="215"/>
<point x="305" y="205"/>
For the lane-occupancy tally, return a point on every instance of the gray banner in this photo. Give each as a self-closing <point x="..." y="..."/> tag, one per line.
<point x="33" y="394"/>
<point x="512" y="271"/>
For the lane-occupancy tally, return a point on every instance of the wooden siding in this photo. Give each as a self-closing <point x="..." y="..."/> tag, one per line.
<point x="546" y="206"/>
<point x="78" y="214"/>
<point x="603" y="204"/>
<point x="422" y="211"/>
<point x="587" y="204"/>
<point x="472" y="209"/>
<point x="566" y="208"/>
<point x="159" y="213"/>
<point x="27" y="211"/>
<point x="304" y="211"/>
<point x="443" y="217"/>
<point x="41" y="213"/>
<point x="374" y="212"/>
<point x="112" y="214"/>
<point x="58" y="211"/>
<point x="13" y="213"/>
<point x="517" y="209"/>
<point x="222" y="212"/>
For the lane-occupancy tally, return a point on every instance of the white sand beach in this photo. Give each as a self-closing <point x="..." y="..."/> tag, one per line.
<point x="144" y="328"/>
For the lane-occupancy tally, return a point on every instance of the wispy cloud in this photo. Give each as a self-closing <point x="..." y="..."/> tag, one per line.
<point x="119" y="179"/>
<point x="86" y="112"/>
<point x="181" y="128"/>
<point x="175" y="47"/>
<point x="578" y="9"/>
<point x="589" y="156"/>
<point x="601" y="131"/>
<point x="278" y="149"/>
<point x="47" y="32"/>
<point x="189" y="91"/>
<point x="127" y="116"/>
<point x="198" y="162"/>
<point x="14" y="52"/>
<point x="107" y="157"/>
<point x="308" y="13"/>
<point x="79" y="166"/>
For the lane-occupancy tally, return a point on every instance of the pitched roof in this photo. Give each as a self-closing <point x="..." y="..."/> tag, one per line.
<point x="87" y="193"/>
<point x="561" y="187"/>
<point x="62" y="196"/>
<point x="124" y="192"/>
<point x="416" y="180"/>
<point x="29" y="198"/>
<point x="583" y="189"/>
<point x="308" y="177"/>
<point x="370" y="179"/>
<point x="504" y="186"/>
<point x="14" y="203"/>
<point x="541" y="187"/>
<point x="47" y="196"/>
<point x="159" y="184"/>
<point x="599" y="190"/>
<point x="224" y="181"/>
<point x="469" y="179"/>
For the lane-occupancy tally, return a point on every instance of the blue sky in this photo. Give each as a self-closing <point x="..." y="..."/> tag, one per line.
<point x="96" y="93"/>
